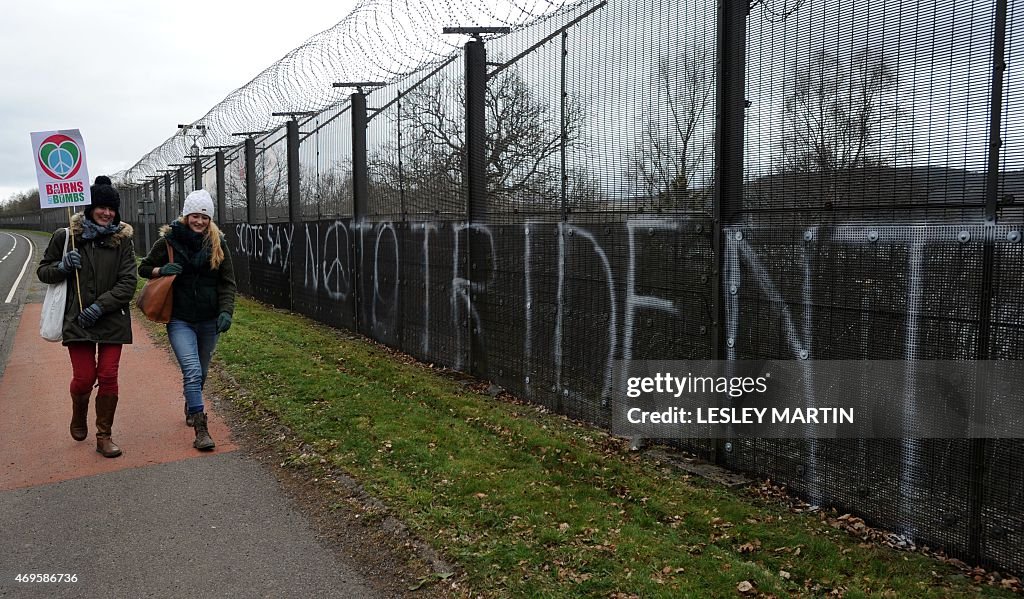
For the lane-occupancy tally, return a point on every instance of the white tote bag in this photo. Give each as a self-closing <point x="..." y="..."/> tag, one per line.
<point x="51" y="321"/>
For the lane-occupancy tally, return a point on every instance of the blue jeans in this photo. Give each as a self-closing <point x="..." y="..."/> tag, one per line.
<point x="193" y="344"/>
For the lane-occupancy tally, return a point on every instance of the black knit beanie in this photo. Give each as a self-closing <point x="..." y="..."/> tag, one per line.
<point x="104" y="194"/>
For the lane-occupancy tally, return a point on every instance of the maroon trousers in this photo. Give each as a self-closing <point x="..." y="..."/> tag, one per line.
<point x="89" y="365"/>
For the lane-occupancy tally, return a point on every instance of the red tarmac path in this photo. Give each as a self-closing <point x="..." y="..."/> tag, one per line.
<point x="149" y="425"/>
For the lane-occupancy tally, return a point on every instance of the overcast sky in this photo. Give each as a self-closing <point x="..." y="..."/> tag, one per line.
<point x="126" y="73"/>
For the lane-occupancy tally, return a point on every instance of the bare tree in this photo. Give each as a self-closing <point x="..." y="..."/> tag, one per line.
<point x="326" y="193"/>
<point x="271" y="199"/>
<point x="234" y="188"/>
<point x="272" y="182"/>
<point x="524" y="139"/>
<point x="666" y="162"/>
<point x="840" y="115"/>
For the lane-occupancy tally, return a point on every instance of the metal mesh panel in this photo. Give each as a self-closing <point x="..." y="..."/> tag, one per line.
<point x="1003" y="486"/>
<point x="263" y="255"/>
<point x="912" y="487"/>
<point x="387" y="187"/>
<point x="1004" y="494"/>
<point x="648" y="91"/>
<point x="272" y="178"/>
<point x="501" y="318"/>
<point x="1011" y="166"/>
<point x="321" y="272"/>
<point x="187" y="186"/>
<point x="1008" y="295"/>
<point x="170" y="187"/>
<point x="421" y="280"/>
<point x="129" y="205"/>
<point x="381" y="253"/>
<point x="833" y="293"/>
<point x="526" y="126"/>
<point x="209" y="180"/>
<point x="158" y="195"/>
<point x="868" y="112"/>
<point x="435" y="314"/>
<point x="234" y="186"/>
<point x="235" y="237"/>
<point x="415" y="147"/>
<point x="325" y="159"/>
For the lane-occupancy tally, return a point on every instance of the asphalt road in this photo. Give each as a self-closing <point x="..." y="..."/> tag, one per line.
<point x="19" y="254"/>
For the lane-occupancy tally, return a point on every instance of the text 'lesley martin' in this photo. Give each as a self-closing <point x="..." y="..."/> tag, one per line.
<point x="675" y="415"/>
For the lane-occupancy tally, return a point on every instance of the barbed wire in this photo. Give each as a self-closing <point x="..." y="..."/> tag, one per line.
<point x="379" y="40"/>
<point x="775" y="13"/>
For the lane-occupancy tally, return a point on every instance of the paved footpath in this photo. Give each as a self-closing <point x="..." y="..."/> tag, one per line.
<point x="162" y="520"/>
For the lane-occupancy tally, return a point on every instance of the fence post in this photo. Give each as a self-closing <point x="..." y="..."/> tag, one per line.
<point x="180" y="203"/>
<point x="730" y="104"/>
<point x="476" y="130"/>
<point x="250" y="180"/>
<point x="219" y="165"/>
<point x="145" y="191"/>
<point x="158" y="213"/>
<point x="360" y="170"/>
<point x="294" y="197"/>
<point x="562" y="98"/>
<point x="979" y="448"/>
<point x="360" y="196"/>
<point x="168" y="202"/>
<point x="476" y="184"/>
<point x="197" y="173"/>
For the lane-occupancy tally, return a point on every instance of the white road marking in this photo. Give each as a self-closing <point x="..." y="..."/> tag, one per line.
<point x="31" y="252"/>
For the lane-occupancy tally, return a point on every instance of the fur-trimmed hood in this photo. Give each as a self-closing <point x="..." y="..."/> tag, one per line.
<point x="165" y="232"/>
<point x="124" y="232"/>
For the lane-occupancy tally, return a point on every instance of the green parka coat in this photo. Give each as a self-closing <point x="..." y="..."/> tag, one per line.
<point x="107" y="277"/>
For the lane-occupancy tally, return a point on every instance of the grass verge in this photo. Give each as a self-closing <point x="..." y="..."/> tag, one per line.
<point x="529" y="504"/>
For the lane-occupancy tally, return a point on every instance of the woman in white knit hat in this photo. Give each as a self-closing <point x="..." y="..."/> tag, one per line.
<point x="203" y="298"/>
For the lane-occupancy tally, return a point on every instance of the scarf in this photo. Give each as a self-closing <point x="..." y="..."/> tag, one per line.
<point x="194" y="244"/>
<point x="91" y="230"/>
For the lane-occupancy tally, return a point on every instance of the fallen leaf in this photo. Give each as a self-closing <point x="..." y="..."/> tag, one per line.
<point x="430" y="578"/>
<point x="745" y="587"/>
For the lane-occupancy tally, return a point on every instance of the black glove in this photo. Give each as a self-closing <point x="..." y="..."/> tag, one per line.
<point x="71" y="261"/>
<point x="223" y="322"/>
<point x="169" y="269"/>
<point x="89" y="316"/>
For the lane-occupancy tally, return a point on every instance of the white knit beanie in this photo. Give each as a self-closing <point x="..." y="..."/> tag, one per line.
<point x="198" y="202"/>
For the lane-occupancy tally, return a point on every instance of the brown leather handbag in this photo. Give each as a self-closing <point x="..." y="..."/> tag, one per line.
<point x="157" y="294"/>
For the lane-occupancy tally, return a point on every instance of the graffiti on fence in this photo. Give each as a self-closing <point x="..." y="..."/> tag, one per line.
<point x="271" y="243"/>
<point x="326" y="256"/>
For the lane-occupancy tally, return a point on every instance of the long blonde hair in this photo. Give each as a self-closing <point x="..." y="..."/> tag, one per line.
<point x="214" y="238"/>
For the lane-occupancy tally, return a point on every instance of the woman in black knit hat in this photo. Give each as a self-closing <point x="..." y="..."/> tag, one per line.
<point x="104" y="258"/>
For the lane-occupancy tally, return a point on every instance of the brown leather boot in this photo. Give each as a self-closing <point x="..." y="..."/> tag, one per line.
<point x="203" y="440"/>
<point x="80" y="416"/>
<point x="106" y="405"/>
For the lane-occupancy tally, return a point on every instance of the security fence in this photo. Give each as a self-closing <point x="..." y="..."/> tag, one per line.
<point x="673" y="180"/>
